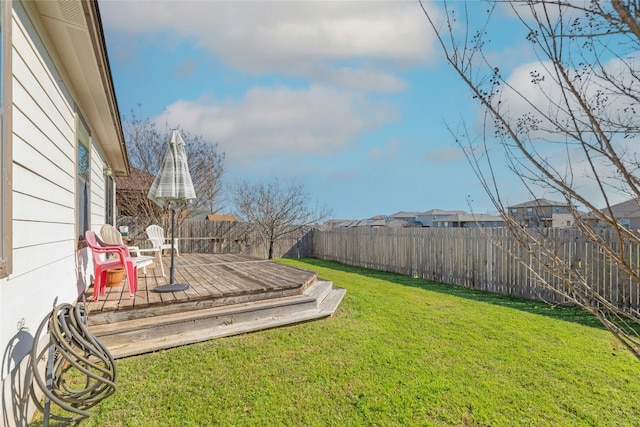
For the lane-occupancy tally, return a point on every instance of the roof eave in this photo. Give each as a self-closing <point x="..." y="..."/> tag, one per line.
<point x="76" y="32"/>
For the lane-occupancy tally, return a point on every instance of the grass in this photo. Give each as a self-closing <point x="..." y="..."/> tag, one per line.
<point x="398" y="352"/>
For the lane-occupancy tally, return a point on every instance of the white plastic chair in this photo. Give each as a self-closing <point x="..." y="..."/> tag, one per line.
<point x="110" y="235"/>
<point x="155" y="233"/>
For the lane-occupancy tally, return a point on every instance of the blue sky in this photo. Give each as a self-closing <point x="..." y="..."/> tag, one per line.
<point x="349" y="98"/>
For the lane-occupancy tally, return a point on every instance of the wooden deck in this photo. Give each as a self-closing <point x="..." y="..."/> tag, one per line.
<point x="227" y="295"/>
<point x="213" y="279"/>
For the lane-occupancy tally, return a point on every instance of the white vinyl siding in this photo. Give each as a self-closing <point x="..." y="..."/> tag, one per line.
<point x="44" y="264"/>
<point x="43" y="153"/>
<point x="5" y="145"/>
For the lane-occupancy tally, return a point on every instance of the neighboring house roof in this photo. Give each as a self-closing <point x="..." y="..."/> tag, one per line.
<point x="338" y="222"/>
<point x="439" y="212"/>
<point x="403" y="214"/>
<point x="538" y="203"/>
<point x="138" y="180"/>
<point x="212" y="217"/>
<point x="627" y="209"/>
<point x="375" y="218"/>
<point x="346" y="223"/>
<point x="75" y="29"/>
<point x="373" y="222"/>
<point x="467" y="217"/>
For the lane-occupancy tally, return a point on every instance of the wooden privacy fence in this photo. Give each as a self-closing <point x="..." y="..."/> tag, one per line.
<point x="469" y="257"/>
<point x="235" y="237"/>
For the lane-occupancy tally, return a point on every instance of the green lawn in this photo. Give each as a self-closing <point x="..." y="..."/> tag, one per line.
<point x="398" y="352"/>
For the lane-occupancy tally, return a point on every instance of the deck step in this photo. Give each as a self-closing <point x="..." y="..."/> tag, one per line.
<point x="137" y="336"/>
<point x="319" y="290"/>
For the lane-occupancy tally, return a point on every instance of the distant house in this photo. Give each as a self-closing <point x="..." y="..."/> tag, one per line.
<point x="377" y="221"/>
<point x="427" y="218"/>
<point x="403" y="219"/>
<point x="627" y="213"/>
<point x="466" y="220"/>
<point x="62" y="145"/>
<point x="542" y="213"/>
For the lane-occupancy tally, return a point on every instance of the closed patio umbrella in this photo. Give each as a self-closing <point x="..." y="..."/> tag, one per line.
<point x="173" y="189"/>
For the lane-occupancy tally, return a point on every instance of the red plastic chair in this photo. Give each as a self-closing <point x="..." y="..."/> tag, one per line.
<point x="122" y="259"/>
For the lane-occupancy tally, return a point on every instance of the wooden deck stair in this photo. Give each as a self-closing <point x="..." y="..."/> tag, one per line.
<point x="126" y="335"/>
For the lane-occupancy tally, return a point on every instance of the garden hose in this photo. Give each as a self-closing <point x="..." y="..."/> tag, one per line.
<point x="80" y="370"/>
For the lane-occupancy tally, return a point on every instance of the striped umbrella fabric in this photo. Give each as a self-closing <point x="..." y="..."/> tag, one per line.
<point x="172" y="186"/>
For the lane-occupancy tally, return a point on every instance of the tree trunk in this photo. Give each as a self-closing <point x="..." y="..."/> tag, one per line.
<point x="270" y="249"/>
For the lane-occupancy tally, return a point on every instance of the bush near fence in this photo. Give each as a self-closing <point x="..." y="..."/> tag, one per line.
<point x="468" y="257"/>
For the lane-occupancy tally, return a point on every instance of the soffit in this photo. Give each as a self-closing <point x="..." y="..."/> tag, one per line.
<point x="75" y="30"/>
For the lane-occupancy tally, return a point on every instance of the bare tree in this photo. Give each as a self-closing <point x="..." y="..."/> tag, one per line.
<point x="567" y="129"/>
<point x="132" y="197"/>
<point x="146" y="145"/>
<point x="275" y="210"/>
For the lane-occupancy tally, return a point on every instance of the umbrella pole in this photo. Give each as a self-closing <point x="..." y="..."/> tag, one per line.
<point x="172" y="279"/>
<point x="172" y="286"/>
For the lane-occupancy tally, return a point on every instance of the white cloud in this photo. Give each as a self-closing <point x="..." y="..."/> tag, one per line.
<point x="281" y="122"/>
<point x="522" y="95"/>
<point x="299" y="38"/>
<point x="186" y="68"/>
<point x="553" y="11"/>
<point x="367" y="80"/>
<point x="447" y="154"/>
<point x="343" y="175"/>
<point x="386" y="153"/>
<point x="558" y="150"/>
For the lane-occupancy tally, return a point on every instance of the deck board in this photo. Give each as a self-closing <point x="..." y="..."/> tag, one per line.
<point x="212" y="279"/>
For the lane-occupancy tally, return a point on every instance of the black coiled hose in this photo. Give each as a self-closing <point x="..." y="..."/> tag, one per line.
<point x="80" y="370"/>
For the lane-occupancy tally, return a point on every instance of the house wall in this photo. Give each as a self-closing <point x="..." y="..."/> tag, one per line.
<point x="46" y="263"/>
<point x="522" y="215"/>
<point x="467" y="224"/>
<point x="558" y="214"/>
<point x="545" y="211"/>
<point x="561" y="220"/>
<point x="426" y="220"/>
<point x="634" y="223"/>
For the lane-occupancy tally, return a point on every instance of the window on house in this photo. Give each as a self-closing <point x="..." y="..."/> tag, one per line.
<point x="84" y="177"/>
<point x="108" y="200"/>
<point x="514" y="211"/>
<point x="529" y="211"/>
<point x="625" y="222"/>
